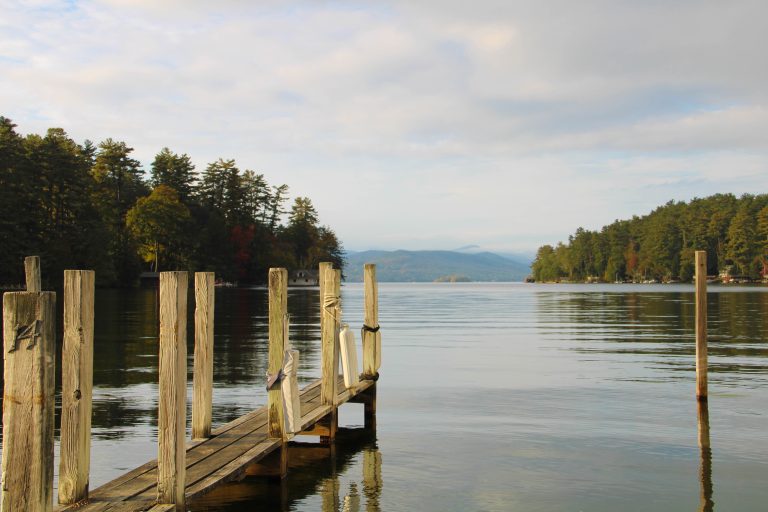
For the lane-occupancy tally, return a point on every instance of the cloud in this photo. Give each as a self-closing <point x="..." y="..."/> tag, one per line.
<point x="440" y="123"/>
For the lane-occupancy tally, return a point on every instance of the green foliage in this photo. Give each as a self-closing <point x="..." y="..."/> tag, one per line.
<point x="174" y="171"/>
<point x="546" y="266"/>
<point x="661" y="245"/>
<point x="158" y="223"/>
<point x="89" y="206"/>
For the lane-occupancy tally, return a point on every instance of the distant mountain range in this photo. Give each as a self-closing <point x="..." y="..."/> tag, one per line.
<point x="428" y="266"/>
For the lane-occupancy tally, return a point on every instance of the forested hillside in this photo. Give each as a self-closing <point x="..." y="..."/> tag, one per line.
<point x="91" y="206"/>
<point x="661" y="245"/>
<point x="421" y="266"/>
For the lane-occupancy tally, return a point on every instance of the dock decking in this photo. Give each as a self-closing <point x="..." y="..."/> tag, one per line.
<point x="224" y="457"/>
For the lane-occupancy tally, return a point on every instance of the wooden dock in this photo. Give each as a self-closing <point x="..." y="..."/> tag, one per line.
<point x="256" y="444"/>
<point x="233" y="452"/>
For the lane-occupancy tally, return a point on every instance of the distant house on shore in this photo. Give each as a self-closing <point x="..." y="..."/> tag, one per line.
<point x="303" y="278"/>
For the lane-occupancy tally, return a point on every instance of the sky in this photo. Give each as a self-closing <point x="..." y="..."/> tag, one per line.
<point x="415" y="125"/>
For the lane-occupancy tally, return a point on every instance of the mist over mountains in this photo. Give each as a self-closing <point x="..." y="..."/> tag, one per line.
<point x="428" y="266"/>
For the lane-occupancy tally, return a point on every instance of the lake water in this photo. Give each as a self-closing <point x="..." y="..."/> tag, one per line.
<point x="492" y="397"/>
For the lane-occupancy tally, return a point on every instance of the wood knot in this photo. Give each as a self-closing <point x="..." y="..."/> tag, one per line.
<point x="78" y="394"/>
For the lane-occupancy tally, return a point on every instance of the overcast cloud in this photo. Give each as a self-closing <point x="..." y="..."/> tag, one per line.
<point x="416" y="124"/>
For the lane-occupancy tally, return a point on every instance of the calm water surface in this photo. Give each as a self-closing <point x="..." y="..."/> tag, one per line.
<point x="492" y="397"/>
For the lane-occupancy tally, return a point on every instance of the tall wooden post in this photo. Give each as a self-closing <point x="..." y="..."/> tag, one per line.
<point x="76" y="385"/>
<point x="701" y="325"/>
<point x="278" y="309"/>
<point x="371" y="334"/>
<point x="321" y="282"/>
<point x="29" y="348"/>
<point x="202" y="377"/>
<point x="330" y="349"/>
<point x="32" y="272"/>
<point x="329" y="353"/>
<point x="171" y="468"/>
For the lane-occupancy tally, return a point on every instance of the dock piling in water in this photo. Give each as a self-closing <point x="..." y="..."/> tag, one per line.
<point x="29" y="343"/>
<point x="371" y="334"/>
<point x="330" y="349"/>
<point x="172" y="415"/>
<point x="76" y="385"/>
<point x="202" y="377"/>
<point x="701" y="325"/>
<point x="278" y="309"/>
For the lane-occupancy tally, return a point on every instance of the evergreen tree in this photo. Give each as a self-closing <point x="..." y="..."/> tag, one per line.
<point x="742" y="248"/>
<point x="175" y="171"/>
<point x="18" y="226"/>
<point x="118" y="184"/>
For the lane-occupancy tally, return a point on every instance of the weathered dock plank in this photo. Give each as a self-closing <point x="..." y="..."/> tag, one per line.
<point x="211" y="462"/>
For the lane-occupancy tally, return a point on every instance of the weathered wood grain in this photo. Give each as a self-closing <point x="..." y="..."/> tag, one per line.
<point x="173" y="389"/>
<point x="329" y="349"/>
<point x="202" y="377"/>
<point x="371" y="340"/>
<point x="278" y="308"/>
<point x="29" y="349"/>
<point x="32" y="272"/>
<point x="322" y="268"/>
<point x="76" y="385"/>
<point x="701" y="325"/>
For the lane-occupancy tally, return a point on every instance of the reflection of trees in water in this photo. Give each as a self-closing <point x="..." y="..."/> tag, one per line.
<point x="662" y="323"/>
<point x="241" y="344"/>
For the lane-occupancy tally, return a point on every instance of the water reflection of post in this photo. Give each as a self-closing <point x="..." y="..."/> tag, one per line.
<point x="372" y="482"/>
<point x="705" y="473"/>
<point x="330" y="488"/>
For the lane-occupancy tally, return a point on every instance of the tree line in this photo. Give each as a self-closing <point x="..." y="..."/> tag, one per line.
<point x="661" y="245"/>
<point x="92" y="206"/>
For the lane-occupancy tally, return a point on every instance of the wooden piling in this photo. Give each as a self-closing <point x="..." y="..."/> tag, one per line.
<point x="171" y="468"/>
<point x="321" y="282"/>
<point x="701" y="325"/>
<point x="329" y="350"/>
<point x="371" y="334"/>
<point x="278" y="308"/>
<point x="32" y="271"/>
<point x="29" y="341"/>
<point x="76" y="385"/>
<point x="202" y="381"/>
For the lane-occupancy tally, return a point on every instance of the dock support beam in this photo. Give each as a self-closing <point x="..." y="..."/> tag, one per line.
<point x="29" y="348"/>
<point x="32" y="272"/>
<point x="330" y="347"/>
<point x="76" y="385"/>
<point x="701" y="325"/>
<point x="202" y="380"/>
<point x="278" y="309"/>
<point x="171" y="467"/>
